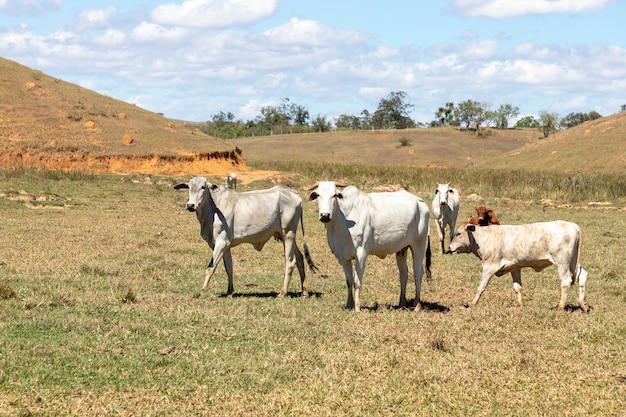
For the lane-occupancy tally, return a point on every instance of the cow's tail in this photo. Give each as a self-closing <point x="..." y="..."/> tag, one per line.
<point x="579" y="272"/>
<point x="428" y="260"/>
<point x="307" y="254"/>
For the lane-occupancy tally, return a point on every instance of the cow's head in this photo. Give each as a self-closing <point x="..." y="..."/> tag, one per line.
<point x="326" y="194"/>
<point x="199" y="188"/>
<point x="443" y="190"/>
<point x="483" y="217"/>
<point x="463" y="242"/>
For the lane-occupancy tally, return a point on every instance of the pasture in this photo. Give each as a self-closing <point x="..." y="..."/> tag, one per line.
<point x="101" y="311"/>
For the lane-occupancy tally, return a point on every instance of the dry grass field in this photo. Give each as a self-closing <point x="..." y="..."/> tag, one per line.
<point x="101" y="314"/>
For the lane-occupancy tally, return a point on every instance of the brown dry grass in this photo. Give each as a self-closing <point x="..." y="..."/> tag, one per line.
<point x="444" y="147"/>
<point x="103" y="283"/>
<point x="46" y="122"/>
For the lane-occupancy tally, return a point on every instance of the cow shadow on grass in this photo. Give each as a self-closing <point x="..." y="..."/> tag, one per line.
<point x="571" y="308"/>
<point x="427" y="307"/>
<point x="270" y="294"/>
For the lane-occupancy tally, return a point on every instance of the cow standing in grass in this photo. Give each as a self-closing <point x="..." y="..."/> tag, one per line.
<point x="445" y="207"/>
<point x="359" y="224"/>
<point x="228" y="218"/>
<point x="508" y="248"/>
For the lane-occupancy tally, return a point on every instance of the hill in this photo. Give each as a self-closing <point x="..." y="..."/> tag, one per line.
<point x="597" y="146"/>
<point x="438" y="147"/>
<point x="48" y="122"/>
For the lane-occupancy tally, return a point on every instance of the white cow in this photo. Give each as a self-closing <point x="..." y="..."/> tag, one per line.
<point x="508" y="248"/>
<point x="360" y="224"/>
<point x="231" y="180"/>
<point x="228" y="218"/>
<point x="445" y="210"/>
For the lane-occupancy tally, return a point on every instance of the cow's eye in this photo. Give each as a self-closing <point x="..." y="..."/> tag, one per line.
<point x="204" y="187"/>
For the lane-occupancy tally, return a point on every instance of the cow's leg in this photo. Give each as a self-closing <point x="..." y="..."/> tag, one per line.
<point x="484" y="281"/>
<point x="349" y="273"/>
<point x="418" y="274"/>
<point x="442" y="235"/>
<point x="303" y="280"/>
<point x="290" y="261"/>
<point x="582" y="282"/>
<point x="218" y="253"/>
<point x="403" y="269"/>
<point x="440" y="232"/>
<point x="451" y="234"/>
<point x="359" y="266"/>
<point x="517" y="285"/>
<point x="228" y="266"/>
<point x="566" y="282"/>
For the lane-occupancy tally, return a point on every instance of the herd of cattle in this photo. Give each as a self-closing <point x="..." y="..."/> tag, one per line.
<point x="360" y="224"/>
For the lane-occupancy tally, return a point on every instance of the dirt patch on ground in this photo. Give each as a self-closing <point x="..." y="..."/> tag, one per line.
<point x="209" y="164"/>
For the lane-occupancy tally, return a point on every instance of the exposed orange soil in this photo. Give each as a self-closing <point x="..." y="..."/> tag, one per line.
<point x="215" y="164"/>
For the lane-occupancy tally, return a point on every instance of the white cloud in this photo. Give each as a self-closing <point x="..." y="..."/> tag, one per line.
<point x="149" y="32"/>
<point x="481" y="50"/>
<point x="311" y="33"/>
<point x="500" y="9"/>
<point x="111" y="37"/>
<point x="251" y="109"/>
<point x="213" y="13"/>
<point x="96" y="18"/>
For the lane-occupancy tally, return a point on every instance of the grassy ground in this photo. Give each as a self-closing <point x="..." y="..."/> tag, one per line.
<point x="98" y="274"/>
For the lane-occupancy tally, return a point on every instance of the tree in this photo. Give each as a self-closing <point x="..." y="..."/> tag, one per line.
<point x="347" y="122"/>
<point x="320" y="124"/>
<point x="527" y="121"/>
<point x="471" y="113"/>
<point x="548" y="123"/>
<point x="574" y="119"/>
<point x="366" y="119"/>
<point x="220" y="119"/>
<point x="505" y="113"/>
<point x="444" y="114"/>
<point x="393" y="112"/>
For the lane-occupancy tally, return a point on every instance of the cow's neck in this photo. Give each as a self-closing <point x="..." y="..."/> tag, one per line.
<point x="205" y="213"/>
<point x="474" y="245"/>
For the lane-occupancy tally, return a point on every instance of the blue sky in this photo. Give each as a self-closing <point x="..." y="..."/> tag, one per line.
<point x="191" y="59"/>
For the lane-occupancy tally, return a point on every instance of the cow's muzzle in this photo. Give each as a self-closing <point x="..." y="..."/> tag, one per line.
<point x="324" y="217"/>
<point x="191" y="207"/>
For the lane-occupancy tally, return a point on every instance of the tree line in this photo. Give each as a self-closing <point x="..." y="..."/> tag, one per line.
<point x="392" y="113"/>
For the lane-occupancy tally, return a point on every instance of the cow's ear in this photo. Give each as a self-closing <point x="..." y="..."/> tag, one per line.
<point x="183" y="186"/>
<point x="313" y="196"/>
<point x="470" y="227"/>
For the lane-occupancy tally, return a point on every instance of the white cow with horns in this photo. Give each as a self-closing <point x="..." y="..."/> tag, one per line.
<point x="510" y="248"/>
<point x="360" y="224"/>
<point x="228" y="218"/>
<point x="445" y="210"/>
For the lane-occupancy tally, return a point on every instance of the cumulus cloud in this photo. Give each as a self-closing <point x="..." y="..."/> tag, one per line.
<point x="481" y="50"/>
<point x="150" y="32"/>
<point x="96" y="18"/>
<point x="213" y="13"/>
<point x="312" y="33"/>
<point x="500" y="9"/>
